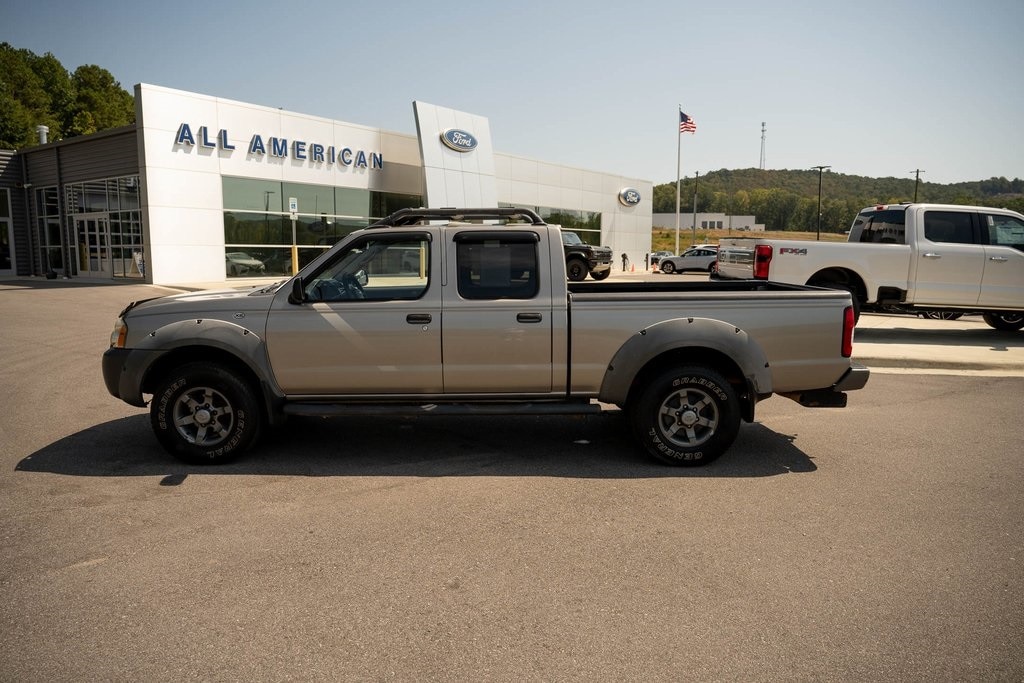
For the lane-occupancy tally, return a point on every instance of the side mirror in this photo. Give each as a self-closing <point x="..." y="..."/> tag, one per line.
<point x="298" y="293"/>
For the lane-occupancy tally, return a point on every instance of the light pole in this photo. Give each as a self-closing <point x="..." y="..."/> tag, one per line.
<point x="820" y="169"/>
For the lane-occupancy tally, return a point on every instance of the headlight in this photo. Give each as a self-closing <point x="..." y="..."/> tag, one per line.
<point x="119" y="334"/>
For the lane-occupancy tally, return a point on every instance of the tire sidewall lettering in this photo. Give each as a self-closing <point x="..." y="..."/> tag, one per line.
<point x="703" y="383"/>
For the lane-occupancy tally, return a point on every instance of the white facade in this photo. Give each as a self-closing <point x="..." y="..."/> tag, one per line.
<point x="188" y="142"/>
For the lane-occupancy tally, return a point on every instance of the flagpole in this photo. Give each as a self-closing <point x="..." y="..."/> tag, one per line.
<point x="679" y="154"/>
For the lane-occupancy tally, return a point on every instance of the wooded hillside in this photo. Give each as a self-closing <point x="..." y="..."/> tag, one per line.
<point x="788" y="200"/>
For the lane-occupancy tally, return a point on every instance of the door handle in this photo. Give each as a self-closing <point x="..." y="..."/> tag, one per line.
<point x="418" y="318"/>
<point x="529" y="317"/>
<point x="932" y="255"/>
<point x="999" y="259"/>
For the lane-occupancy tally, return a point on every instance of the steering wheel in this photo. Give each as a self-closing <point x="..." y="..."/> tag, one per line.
<point x="353" y="290"/>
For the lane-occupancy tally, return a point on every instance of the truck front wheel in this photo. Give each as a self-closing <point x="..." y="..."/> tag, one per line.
<point x="204" y="414"/>
<point x="576" y="269"/>
<point x="1008" y="322"/>
<point x="687" y="416"/>
<point x="600" y="274"/>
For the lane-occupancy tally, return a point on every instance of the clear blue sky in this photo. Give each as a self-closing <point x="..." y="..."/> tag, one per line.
<point x="871" y="88"/>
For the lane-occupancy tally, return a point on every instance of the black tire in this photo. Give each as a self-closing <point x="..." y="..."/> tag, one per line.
<point x="713" y="267"/>
<point x="205" y="414"/>
<point x="576" y="269"/>
<point x="667" y="267"/>
<point x="686" y="416"/>
<point x="1007" y="322"/>
<point x="600" y="274"/>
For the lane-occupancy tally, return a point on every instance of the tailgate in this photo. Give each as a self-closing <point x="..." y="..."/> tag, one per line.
<point x="736" y="259"/>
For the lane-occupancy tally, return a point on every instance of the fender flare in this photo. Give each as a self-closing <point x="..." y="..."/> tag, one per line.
<point x="238" y="341"/>
<point x="667" y="336"/>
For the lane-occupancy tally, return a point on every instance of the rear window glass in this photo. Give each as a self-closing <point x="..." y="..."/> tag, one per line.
<point x="881" y="227"/>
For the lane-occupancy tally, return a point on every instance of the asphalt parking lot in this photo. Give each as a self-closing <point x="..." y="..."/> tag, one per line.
<point x="883" y="541"/>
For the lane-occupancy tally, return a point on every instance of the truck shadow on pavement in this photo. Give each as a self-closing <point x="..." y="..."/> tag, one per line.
<point x="573" y="447"/>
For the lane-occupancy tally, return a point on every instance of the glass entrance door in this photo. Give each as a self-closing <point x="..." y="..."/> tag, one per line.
<point x="92" y="239"/>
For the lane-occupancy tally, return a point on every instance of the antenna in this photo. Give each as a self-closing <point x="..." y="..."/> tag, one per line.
<point x="763" y="130"/>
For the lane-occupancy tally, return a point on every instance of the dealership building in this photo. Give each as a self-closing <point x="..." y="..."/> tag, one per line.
<point x="203" y="189"/>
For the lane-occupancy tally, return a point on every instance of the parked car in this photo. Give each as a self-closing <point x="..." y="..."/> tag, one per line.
<point x="240" y="263"/>
<point x="658" y="255"/>
<point x="694" y="258"/>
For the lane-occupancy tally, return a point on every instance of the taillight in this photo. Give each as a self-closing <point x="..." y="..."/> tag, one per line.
<point x="848" y="323"/>
<point x="762" y="260"/>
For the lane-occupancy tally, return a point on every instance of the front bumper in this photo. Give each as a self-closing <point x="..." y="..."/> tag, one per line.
<point x="123" y="372"/>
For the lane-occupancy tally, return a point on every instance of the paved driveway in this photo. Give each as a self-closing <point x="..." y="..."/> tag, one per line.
<point x="879" y="542"/>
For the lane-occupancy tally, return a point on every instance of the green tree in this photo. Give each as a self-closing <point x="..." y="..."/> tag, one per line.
<point x="99" y="102"/>
<point x="38" y="91"/>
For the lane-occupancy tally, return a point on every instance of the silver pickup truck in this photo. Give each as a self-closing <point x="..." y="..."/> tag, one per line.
<point x="445" y="311"/>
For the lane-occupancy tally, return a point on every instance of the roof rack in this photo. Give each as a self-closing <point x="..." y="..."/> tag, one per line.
<point x="414" y="216"/>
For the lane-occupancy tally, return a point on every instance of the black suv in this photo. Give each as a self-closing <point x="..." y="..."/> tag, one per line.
<point x="582" y="258"/>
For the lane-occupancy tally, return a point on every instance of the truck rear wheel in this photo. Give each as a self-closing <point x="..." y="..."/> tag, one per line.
<point x="576" y="269"/>
<point x="686" y="416"/>
<point x="204" y="414"/>
<point x="1008" y="322"/>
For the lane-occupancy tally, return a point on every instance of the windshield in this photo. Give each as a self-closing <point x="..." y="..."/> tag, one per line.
<point x="571" y="238"/>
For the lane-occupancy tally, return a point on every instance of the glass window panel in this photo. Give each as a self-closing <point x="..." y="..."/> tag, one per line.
<point x="95" y="196"/>
<point x="256" y="228"/>
<point x="113" y="203"/>
<point x="246" y="194"/>
<point x="386" y="203"/>
<point x="314" y="200"/>
<point x="350" y="202"/>
<point x="52" y="232"/>
<point x="5" y="204"/>
<point x="128" y="192"/>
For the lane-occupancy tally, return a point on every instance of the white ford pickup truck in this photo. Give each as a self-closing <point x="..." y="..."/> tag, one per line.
<point x="911" y="257"/>
<point x="468" y="311"/>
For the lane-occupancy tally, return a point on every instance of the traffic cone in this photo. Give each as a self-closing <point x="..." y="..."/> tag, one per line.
<point x="632" y="267"/>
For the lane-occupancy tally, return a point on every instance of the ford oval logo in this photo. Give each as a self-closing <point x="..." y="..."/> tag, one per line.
<point x="629" y="197"/>
<point x="459" y="140"/>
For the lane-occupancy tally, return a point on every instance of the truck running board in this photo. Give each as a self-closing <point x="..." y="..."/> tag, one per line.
<point x="413" y="410"/>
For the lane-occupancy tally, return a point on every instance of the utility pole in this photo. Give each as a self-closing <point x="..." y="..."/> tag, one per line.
<point x="820" y="169"/>
<point x="917" y="179"/>
<point x="696" y="179"/>
<point x="763" y="129"/>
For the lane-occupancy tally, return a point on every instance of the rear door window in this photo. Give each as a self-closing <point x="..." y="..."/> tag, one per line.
<point x="497" y="266"/>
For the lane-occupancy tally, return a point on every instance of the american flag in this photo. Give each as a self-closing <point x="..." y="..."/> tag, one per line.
<point x="686" y="124"/>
